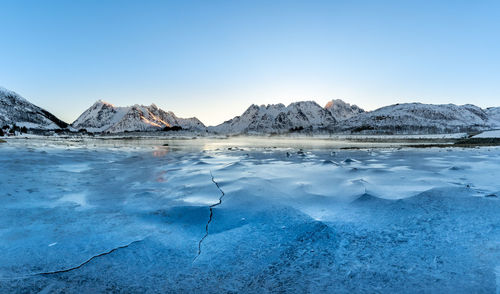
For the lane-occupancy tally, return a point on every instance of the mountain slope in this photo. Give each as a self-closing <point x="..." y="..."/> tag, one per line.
<point x="104" y="117"/>
<point x="417" y="118"/>
<point x="493" y="114"/>
<point x="14" y="109"/>
<point x="341" y="110"/>
<point x="278" y="118"/>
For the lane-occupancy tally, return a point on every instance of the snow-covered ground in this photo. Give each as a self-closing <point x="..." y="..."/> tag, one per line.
<point x="489" y="134"/>
<point x="127" y="216"/>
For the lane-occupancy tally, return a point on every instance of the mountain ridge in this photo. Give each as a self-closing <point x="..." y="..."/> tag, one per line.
<point x="277" y="118"/>
<point x="337" y="117"/>
<point x="105" y="117"/>
<point x="417" y="118"/>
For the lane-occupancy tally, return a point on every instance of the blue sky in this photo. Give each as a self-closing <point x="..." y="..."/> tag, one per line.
<point x="212" y="59"/>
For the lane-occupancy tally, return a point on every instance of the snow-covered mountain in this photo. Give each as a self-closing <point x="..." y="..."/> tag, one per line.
<point x="278" y="118"/>
<point x="307" y="116"/>
<point x="14" y="109"/>
<point x="341" y="110"/>
<point x="493" y="114"/>
<point x="417" y="118"/>
<point x="104" y="117"/>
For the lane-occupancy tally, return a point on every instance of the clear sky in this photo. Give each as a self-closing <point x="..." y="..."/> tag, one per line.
<point x="212" y="59"/>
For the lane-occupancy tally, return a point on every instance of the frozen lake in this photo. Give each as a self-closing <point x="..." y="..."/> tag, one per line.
<point x="247" y="216"/>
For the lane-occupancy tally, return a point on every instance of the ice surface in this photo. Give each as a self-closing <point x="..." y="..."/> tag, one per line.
<point x="128" y="217"/>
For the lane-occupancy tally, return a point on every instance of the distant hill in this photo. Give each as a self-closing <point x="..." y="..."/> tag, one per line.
<point x="417" y="118"/>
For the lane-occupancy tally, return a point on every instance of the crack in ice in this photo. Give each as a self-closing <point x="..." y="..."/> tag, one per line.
<point x="87" y="261"/>
<point x="211" y="214"/>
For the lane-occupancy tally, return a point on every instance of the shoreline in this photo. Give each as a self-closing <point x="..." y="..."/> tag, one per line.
<point x="343" y="142"/>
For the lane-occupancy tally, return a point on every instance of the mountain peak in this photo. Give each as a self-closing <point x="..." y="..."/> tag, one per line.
<point x="103" y="102"/>
<point x="6" y="93"/>
<point x="341" y="110"/>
